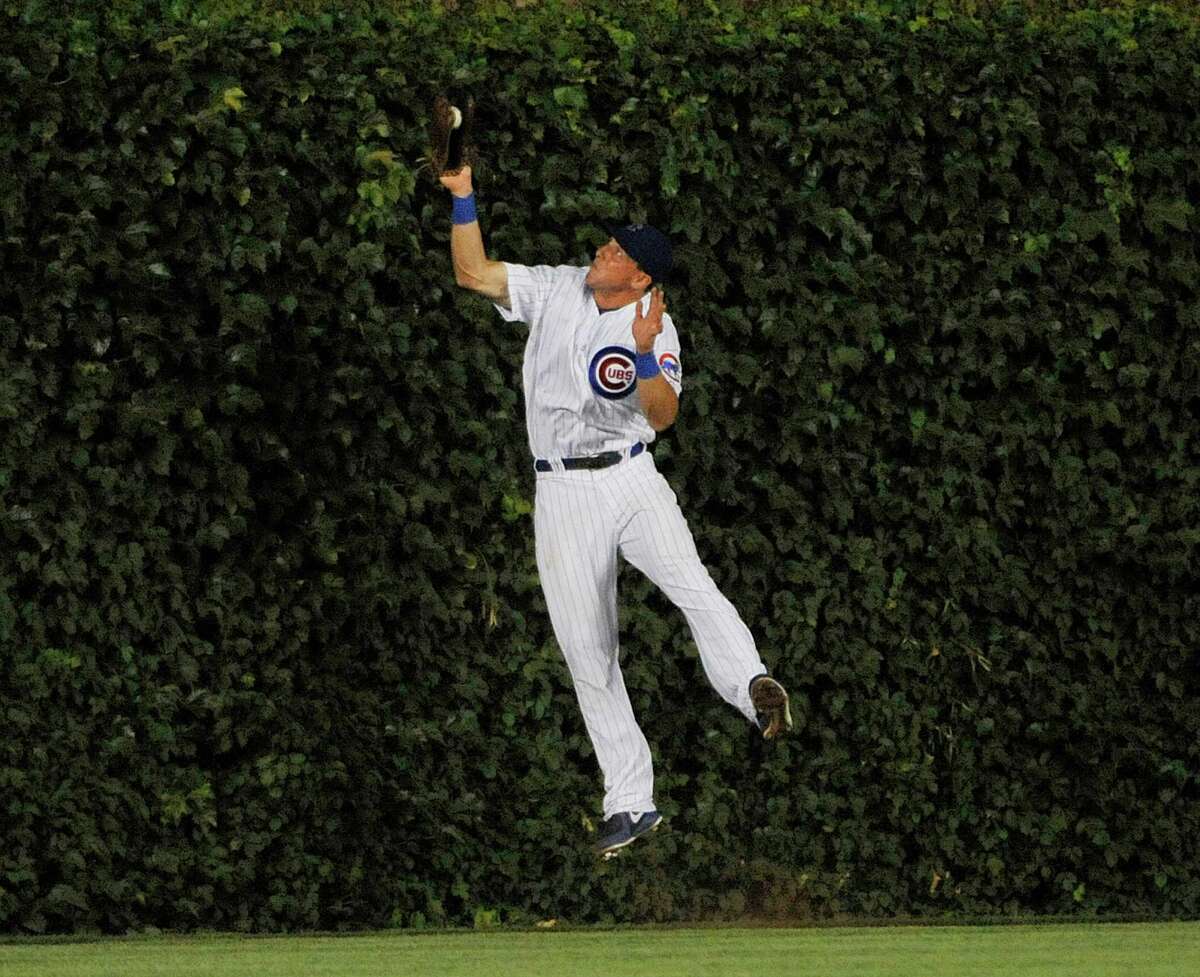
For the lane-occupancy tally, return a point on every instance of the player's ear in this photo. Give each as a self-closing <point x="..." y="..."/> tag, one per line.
<point x="641" y="280"/>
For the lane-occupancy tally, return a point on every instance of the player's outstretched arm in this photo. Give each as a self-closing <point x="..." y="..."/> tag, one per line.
<point x="472" y="269"/>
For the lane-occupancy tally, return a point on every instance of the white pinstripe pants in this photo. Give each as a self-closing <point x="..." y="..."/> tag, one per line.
<point x="582" y="519"/>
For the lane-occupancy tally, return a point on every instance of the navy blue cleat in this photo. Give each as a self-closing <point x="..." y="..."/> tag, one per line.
<point x="621" y="830"/>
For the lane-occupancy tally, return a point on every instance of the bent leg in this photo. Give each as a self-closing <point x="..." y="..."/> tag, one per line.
<point x="659" y="543"/>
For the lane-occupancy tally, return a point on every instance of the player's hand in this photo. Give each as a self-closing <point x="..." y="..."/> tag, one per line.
<point x="647" y="327"/>
<point x="458" y="182"/>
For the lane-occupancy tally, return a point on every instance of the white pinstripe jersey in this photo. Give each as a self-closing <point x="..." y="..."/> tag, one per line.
<point x="580" y="373"/>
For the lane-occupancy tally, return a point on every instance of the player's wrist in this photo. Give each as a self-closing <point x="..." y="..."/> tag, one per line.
<point x="464" y="209"/>
<point x="647" y="365"/>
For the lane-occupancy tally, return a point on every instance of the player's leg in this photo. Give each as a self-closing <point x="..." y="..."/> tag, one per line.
<point x="575" y="538"/>
<point x="658" y="542"/>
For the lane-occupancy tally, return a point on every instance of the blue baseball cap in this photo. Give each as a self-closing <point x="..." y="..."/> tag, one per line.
<point x="648" y="246"/>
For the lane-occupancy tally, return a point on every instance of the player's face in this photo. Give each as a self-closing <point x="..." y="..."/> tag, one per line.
<point x="612" y="267"/>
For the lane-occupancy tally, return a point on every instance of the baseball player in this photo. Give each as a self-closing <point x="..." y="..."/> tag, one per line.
<point x="602" y="375"/>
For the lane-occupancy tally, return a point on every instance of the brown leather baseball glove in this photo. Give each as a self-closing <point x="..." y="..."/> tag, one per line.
<point x="450" y="145"/>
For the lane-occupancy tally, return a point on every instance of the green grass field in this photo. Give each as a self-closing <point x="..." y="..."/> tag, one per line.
<point x="1118" y="950"/>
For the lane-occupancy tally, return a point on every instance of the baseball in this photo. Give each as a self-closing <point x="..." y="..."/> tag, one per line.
<point x="455" y="117"/>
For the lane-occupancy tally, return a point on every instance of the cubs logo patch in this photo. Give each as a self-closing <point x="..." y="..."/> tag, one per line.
<point x="613" y="372"/>
<point x="669" y="364"/>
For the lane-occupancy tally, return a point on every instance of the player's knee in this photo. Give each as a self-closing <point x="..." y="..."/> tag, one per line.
<point x="591" y="666"/>
<point x="687" y="579"/>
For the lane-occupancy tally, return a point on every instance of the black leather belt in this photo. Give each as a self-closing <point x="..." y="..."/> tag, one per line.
<point x="605" y="460"/>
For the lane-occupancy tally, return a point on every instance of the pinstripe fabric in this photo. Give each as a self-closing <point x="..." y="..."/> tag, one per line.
<point x="564" y="416"/>
<point x="582" y="520"/>
<point x="575" y="405"/>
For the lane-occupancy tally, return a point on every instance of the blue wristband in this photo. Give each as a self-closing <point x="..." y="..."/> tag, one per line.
<point x="647" y="366"/>
<point x="464" y="210"/>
